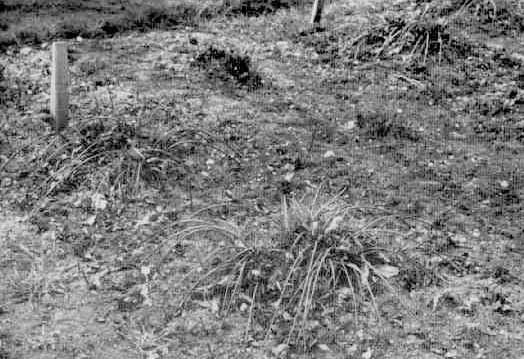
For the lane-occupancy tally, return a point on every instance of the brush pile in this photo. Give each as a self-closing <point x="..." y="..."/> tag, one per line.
<point x="423" y="31"/>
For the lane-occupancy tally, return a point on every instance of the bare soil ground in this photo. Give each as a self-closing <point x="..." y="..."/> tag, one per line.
<point x="220" y="119"/>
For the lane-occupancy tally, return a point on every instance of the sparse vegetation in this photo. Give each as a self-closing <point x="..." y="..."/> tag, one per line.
<point x="236" y="184"/>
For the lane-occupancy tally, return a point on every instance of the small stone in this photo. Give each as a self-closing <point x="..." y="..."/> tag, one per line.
<point x="323" y="347"/>
<point x="350" y="125"/>
<point x="280" y="350"/>
<point x="329" y="154"/>
<point x="24" y="51"/>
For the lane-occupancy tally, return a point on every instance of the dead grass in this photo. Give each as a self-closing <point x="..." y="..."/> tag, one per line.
<point x="428" y="31"/>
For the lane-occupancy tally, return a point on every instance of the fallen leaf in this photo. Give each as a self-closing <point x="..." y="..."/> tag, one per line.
<point x="333" y="225"/>
<point x="387" y="271"/>
<point x="98" y="201"/>
<point x="279" y="350"/>
<point x="323" y="347"/>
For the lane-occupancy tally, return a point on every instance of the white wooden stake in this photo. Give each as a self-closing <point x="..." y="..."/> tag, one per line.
<point x="316" y="13"/>
<point x="59" y="86"/>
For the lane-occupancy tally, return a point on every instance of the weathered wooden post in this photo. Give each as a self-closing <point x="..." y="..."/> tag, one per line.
<point x="316" y="13"/>
<point x="59" y="86"/>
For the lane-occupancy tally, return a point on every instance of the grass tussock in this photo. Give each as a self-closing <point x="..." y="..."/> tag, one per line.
<point x="125" y="159"/>
<point x="317" y="255"/>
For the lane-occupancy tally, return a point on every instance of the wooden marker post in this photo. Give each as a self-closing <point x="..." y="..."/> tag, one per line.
<point x="59" y="86"/>
<point x="316" y="13"/>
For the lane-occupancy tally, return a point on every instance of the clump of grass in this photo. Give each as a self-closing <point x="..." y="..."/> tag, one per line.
<point x="227" y="65"/>
<point x="317" y="255"/>
<point x="118" y="160"/>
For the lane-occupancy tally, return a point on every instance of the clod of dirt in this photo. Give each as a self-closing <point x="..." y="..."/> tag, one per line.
<point x="226" y="65"/>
